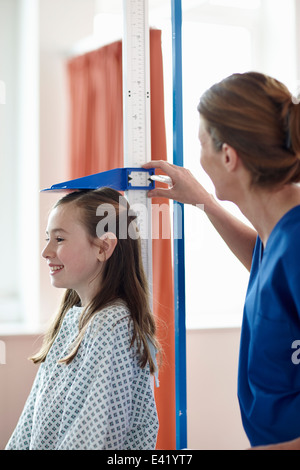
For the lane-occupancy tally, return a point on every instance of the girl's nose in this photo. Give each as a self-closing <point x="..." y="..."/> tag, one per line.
<point x="47" y="252"/>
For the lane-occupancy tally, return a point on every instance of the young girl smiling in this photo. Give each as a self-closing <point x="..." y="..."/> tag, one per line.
<point x="94" y="388"/>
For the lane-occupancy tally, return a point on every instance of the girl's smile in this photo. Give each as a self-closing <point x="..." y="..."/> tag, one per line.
<point x="55" y="269"/>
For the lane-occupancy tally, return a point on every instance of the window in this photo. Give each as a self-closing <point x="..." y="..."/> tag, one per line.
<point x="215" y="280"/>
<point x="8" y="294"/>
<point x="19" y="163"/>
<point x="221" y="37"/>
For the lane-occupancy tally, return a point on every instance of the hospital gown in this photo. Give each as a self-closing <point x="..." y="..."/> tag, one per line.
<point x="103" y="399"/>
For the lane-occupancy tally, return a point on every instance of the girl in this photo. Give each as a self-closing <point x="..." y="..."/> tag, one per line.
<point x="93" y="389"/>
<point x="250" y="147"/>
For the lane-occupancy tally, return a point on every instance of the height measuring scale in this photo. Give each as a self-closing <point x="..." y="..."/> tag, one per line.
<point x="136" y="114"/>
<point x="137" y="151"/>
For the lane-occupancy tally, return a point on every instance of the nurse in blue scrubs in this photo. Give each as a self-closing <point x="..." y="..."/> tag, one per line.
<point x="250" y="147"/>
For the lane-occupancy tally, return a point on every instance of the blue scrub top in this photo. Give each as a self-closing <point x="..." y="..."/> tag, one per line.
<point x="269" y="364"/>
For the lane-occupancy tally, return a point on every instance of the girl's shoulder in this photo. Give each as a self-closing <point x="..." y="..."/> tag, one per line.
<point x="114" y="312"/>
<point x="110" y="317"/>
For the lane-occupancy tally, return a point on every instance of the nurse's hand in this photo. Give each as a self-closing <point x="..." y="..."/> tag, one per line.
<point x="239" y="237"/>
<point x="185" y="188"/>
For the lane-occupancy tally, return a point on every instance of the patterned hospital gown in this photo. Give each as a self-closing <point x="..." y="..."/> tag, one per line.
<point x="101" y="400"/>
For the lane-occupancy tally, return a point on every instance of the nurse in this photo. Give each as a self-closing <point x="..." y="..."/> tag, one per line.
<point x="250" y="147"/>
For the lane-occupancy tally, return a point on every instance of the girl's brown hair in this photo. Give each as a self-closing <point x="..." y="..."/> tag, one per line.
<point x="123" y="277"/>
<point x="255" y="114"/>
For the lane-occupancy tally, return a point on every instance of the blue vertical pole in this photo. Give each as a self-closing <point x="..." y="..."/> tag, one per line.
<point x="179" y="263"/>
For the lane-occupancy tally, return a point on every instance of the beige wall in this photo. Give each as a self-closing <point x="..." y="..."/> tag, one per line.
<point x="16" y="377"/>
<point x="213" y="414"/>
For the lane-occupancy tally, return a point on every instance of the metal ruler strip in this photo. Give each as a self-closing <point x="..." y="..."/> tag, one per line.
<point x="136" y="113"/>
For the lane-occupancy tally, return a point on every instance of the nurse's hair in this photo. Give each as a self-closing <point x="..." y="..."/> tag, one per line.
<point x="257" y="116"/>
<point x="122" y="279"/>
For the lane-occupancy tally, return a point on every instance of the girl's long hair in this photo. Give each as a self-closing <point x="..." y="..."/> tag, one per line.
<point x="122" y="278"/>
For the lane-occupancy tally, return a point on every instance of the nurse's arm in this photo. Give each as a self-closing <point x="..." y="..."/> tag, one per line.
<point x="239" y="237"/>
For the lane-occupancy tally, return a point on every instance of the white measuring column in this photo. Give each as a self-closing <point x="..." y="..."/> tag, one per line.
<point x="136" y="113"/>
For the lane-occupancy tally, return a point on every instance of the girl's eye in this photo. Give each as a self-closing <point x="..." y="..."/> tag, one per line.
<point x="58" y="239"/>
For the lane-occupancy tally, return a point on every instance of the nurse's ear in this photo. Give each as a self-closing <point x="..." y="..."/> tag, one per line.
<point x="106" y="246"/>
<point x="230" y="158"/>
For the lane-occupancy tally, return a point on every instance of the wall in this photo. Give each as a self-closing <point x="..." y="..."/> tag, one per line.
<point x="213" y="414"/>
<point x="16" y="377"/>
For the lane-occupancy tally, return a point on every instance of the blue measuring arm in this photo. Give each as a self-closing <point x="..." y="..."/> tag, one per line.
<point x="121" y="179"/>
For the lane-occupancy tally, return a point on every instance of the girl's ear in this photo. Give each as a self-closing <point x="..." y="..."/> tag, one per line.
<point x="106" y="246"/>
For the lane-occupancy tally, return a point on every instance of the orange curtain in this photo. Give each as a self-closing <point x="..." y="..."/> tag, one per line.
<point x="96" y="144"/>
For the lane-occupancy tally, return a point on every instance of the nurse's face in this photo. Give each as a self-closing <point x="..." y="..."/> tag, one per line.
<point x="211" y="160"/>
